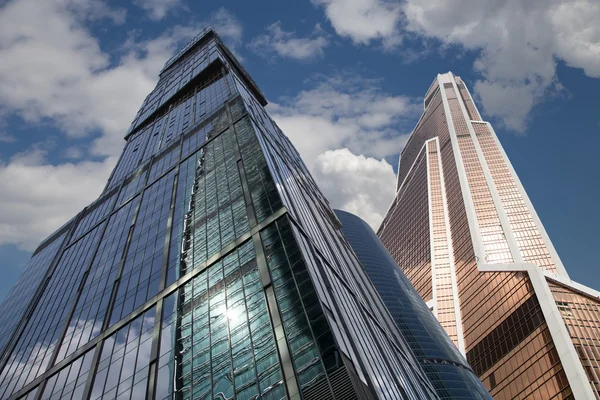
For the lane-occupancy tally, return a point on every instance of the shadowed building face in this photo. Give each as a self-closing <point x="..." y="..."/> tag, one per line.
<point x="447" y="369"/>
<point x="464" y="232"/>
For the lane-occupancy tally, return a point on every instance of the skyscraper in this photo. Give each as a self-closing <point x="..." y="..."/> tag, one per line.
<point x="211" y="267"/>
<point x="466" y="235"/>
<point x="446" y="368"/>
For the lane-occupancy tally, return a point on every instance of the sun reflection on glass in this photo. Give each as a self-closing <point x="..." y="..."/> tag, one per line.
<point x="231" y="314"/>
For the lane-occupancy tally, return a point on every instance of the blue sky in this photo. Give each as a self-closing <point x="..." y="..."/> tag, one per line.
<point x="345" y="80"/>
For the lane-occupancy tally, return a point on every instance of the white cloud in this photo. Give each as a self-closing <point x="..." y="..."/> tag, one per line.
<point x="361" y="185"/>
<point x="339" y="117"/>
<point x="229" y="28"/>
<point x="365" y="20"/>
<point x="345" y="111"/>
<point x="6" y="138"/>
<point x="92" y="10"/>
<point x="38" y="197"/>
<point x="73" y="153"/>
<point x="227" y="25"/>
<point x="52" y="70"/>
<point x="519" y="44"/>
<point x="158" y="9"/>
<point x="287" y="45"/>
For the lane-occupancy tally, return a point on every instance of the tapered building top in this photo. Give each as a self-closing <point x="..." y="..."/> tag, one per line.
<point x="465" y="233"/>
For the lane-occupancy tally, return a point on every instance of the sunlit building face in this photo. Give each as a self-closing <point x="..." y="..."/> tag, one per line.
<point x="464" y="232"/>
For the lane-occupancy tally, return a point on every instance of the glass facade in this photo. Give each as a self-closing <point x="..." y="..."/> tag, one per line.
<point x="447" y="369"/>
<point x="485" y="263"/>
<point x="211" y="267"/>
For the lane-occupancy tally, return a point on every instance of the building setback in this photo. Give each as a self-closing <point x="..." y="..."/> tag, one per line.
<point x="464" y="232"/>
<point x="210" y="267"/>
<point x="445" y="366"/>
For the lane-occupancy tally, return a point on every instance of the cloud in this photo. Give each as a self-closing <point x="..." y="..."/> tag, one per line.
<point x="92" y="10"/>
<point x="361" y="185"/>
<point x="53" y="71"/>
<point x="38" y="197"/>
<point x="6" y="138"/>
<point x="229" y="28"/>
<point x="344" y="115"/>
<point x="518" y="45"/>
<point x="365" y="20"/>
<point x="346" y="111"/>
<point x="73" y="153"/>
<point x="51" y="68"/>
<point x="227" y="25"/>
<point x="287" y="45"/>
<point x="158" y="9"/>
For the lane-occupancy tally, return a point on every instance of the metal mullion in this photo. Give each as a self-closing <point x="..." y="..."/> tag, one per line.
<point x="283" y="349"/>
<point x="20" y="327"/>
<point x="208" y="140"/>
<point x="400" y="356"/>
<point x="116" y="208"/>
<point x="216" y="165"/>
<point x="177" y="342"/>
<point x="207" y="185"/>
<point x="161" y="133"/>
<point x="152" y="301"/>
<point x="336" y="302"/>
<point x="210" y="328"/>
<point x="590" y="341"/>
<point x="109" y="181"/>
<point x="112" y="358"/>
<point x="233" y="169"/>
<point x="119" y="380"/>
<point x="117" y="281"/>
<point x="169" y="231"/>
<point x="338" y="275"/>
<point x="164" y="128"/>
<point x="143" y="151"/>
<point x="145" y="167"/>
<point x="301" y="299"/>
<point x="193" y="111"/>
<point x="69" y="316"/>
<point x="224" y="73"/>
<point x="89" y="384"/>
<point x="242" y="172"/>
<point x="74" y="303"/>
<point x="120" y="272"/>
<point x="252" y="348"/>
<point x="159" y="177"/>
<point x="388" y="327"/>
<point x="98" y="352"/>
<point x="155" y="351"/>
<point x="276" y="169"/>
<point x="92" y="208"/>
<point x="340" y="302"/>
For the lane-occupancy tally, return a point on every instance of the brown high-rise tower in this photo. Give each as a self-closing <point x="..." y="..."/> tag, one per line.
<point x="465" y="233"/>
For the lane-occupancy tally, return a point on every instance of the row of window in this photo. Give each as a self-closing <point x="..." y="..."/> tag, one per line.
<point x="48" y="323"/>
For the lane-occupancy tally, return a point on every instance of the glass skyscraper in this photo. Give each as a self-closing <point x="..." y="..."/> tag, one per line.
<point x="466" y="235"/>
<point x="211" y="267"/>
<point x="444" y="365"/>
